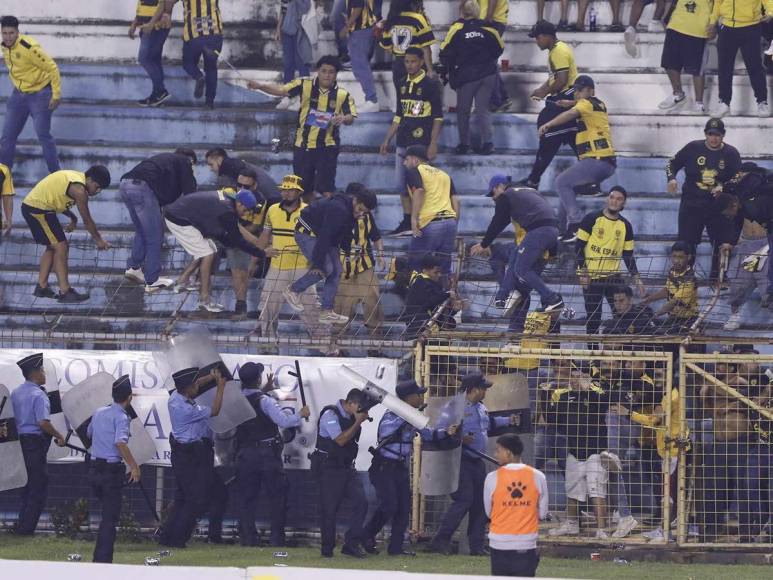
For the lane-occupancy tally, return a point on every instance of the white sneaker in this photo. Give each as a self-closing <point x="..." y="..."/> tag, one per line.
<point x="763" y="111"/>
<point x="769" y="51"/>
<point x="611" y="462"/>
<point x="160" y="284"/>
<point x="692" y="530"/>
<point x="567" y="528"/>
<point x="722" y="110"/>
<point x="601" y="535"/>
<point x="368" y="107"/>
<point x="513" y="301"/>
<point x="211" y="306"/>
<point x="671" y="101"/>
<point x="330" y="317"/>
<point x="135" y="275"/>
<point x="699" y="108"/>
<point x="624" y="527"/>
<point x="733" y="322"/>
<point x="655" y="26"/>
<point x="293" y="299"/>
<point x="186" y="287"/>
<point x="655" y="535"/>
<point x="283" y="104"/>
<point x="630" y="42"/>
<point x="615" y="517"/>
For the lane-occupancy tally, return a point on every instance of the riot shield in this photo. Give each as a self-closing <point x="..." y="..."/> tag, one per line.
<point x="225" y="449"/>
<point x="141" y="444"/>
<point x="509" y="395"/>
<point x="57" y="415"/>
<point x="236" y="409"/>
<point x="441" y="460"/>
<point x="13" y="473"/>
<point x="191" y="349"/>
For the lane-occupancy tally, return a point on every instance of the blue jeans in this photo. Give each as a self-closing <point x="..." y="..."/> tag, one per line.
<point x="338" y="19"/>
<point x="526" y="263"/>
<point x="549" y="444"/>
<point x="150" y="57"/>
<point x="332" y="269"/>
<point x="291" y="59"/>
<point x="193" y="51"/>
<point x="500" y="261"/>
<point x="770" y="268"/>
<point x="437" y="237"/>
<point x="584" y="172"/>
<point x="145" y="214"/>
<point x="360" y="44"/>
<point x="18" y="109"/>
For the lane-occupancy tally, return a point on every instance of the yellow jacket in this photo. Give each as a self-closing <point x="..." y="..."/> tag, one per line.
<point x="740" y="13"/>
<point x="655" y="422"/>
<point x="30" y="68"/>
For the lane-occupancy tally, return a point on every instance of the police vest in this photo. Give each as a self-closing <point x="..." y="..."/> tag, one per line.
<point x="515" y="503"/>
<point x="336" y="454"/>
<point x="259" y="428"/>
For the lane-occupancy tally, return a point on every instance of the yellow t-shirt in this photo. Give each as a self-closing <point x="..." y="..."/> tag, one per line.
<point x="691" y="17"/>
<point x="682" y="289"/>
<point x="594" y="139"/>
<point x="536" y="323"/>
<point x="501" y="10"/>
<point x="50" y="194"/>
<point x="282" y="227"/>
<point x="6" y="181"/>
<point x="605" y="241"/>
<point x="438" y="189"/>
<point x="561" y="58"/>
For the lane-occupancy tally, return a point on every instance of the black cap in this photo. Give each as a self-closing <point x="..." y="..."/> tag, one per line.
<point x="185" y="378"/>
<point x="407" y="388"/>
<point x="584" y="81"/>
<point x="542" y="27"/>
<point x="122" y="388"/>
<point x="714" y="126"/>
<point x="419" y="151"/>
<point x="475" y="380"/>
<point x="250" y="373"/>
<point x="31" y="362"/>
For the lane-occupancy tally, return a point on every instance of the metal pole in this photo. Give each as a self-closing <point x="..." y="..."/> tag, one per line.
<point x="418" y="375"/>
<point x="683" y="496"/>
<point x="159" y="489"/>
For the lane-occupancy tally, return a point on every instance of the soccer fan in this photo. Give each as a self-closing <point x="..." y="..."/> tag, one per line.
<point x="428" y="300"/>
<point x="495" y="14"/>
<point x="227" y="169"/>
<point x="630" y="36"/>
<point x="296" y="45"/>
<point x="152" y="39"/>
<point x="6" y="198"/>
<point x="406" y="26"/>
<point x="37" y="90"/>
<point x="358" y="32"/>
<point x="627" y="317"/>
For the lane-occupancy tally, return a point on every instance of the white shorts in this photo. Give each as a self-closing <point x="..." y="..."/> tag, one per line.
<point x="585" y="478"/>
<point x="192" y="241"/>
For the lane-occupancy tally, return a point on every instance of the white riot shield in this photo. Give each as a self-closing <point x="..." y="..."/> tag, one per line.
<point x="13" y="473"/>
<point x="80" y="402"/>
<point x="236" y="409"/>
<point x="141" y="444"/>
<point x="191" y="349"/>
<point x="441" y="460"/>
<point x="509" y="395"/>
<point x="225" y="449"/>
<point x="57" y="415"/>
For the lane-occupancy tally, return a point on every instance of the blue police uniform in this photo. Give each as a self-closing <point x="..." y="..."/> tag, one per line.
<point x="108" y="427"/>
<point x="30" y="406"/>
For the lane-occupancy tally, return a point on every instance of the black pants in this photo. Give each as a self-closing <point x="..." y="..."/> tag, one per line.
<point x="551" y="142"/>
<point x="34" y="494"/>
<point x="218" y="499"/>
<point x="335" y="485"/>
<point x="107" y="480"/>
<point x="256" y="468"/>
<point x="746" y="38"/>
<point x="694" y="217"/>
<point x="317" y="168"/>
<point x="594" y="295"/>
<point x="192" y="467"/>
<point x="467" y="498"/>
<point x="521" y="563"/>
<point x="392" y="482"/>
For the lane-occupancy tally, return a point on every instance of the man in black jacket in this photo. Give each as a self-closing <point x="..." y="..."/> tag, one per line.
<point x="198" y="219"/>
<point x="627" y="317"/>
<point x="323" y="230"/>
<point x="425" y="296"/>
<point x="228" y="169"/>
<point x="154" y="183"/>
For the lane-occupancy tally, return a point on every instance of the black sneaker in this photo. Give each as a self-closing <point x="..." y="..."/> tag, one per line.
<point x="198" y="92"/>
<point x="353" y="551"/>
<point x="485" y="149"/>
<point x="526" y="182"/>
<point x="72" y="296"/>
<point x="555" y="303"/>
<point x="145" y="102"/>
<point x="591" y="189"/>
<point x="46" y="292"/>
<point x="404" y="229"/>
<point x="241" y="307"/>
<point x="370" y="546"/>
<point x="461" y="149"/>
<point x="157" y="100"/>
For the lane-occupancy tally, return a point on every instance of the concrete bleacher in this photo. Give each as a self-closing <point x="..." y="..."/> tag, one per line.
<point x="98" y="122"/>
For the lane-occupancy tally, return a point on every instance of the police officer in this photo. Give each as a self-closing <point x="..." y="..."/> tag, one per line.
<point x="338" y="432"/>
<point x="259" y="447"/>
<point x="191" y="444"/>
<point x="109" y="433"/>
<point x="390" y="471"/>
<point x="476" y="424"/>
<point x="32" y="411"/>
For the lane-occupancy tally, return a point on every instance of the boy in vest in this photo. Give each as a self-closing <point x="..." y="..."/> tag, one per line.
<point x="515" y="497"/>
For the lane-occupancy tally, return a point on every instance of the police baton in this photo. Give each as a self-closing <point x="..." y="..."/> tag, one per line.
<point x="71" y="446"/>
<point x="151" y="507"/>
<point x="297" y="375"/>
<point x="480" y="454"/>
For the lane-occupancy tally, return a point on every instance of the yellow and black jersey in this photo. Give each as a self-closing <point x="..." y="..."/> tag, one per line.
<point x="683" y="291"/>
<point x="201" y="18"/>
<point x="537" y="323"/>
<point x="281" y="223"/>
<point x="409" y="30"/>
<point x="419" y="105"/>
<point x="691" y="17"/>
<point x="603" y="243"/>
<point x="594" y="139"/>
<point x="367" y="17"/>
<point x="360" y="258"/>
<point x="561" y="58"/>
<point x="50" y="193"/>
<point x="30" y="68"/>
<point x="145" y="10"/>
<point x="318" y="106"/>
<point x="438" y="190"/>
<point x="501" y="10"/>
<point x="6" y="181"/>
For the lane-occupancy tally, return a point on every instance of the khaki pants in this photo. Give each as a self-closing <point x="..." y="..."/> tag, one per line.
<point x="360" y="288"/>
<point x="271" y="301"/>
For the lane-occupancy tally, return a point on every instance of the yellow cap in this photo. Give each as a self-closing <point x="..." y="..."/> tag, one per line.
<point x="292" y="182"/>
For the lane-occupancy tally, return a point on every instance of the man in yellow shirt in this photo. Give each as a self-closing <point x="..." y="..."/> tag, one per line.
<point x="6" y="194"/>
<point x="37" y="89"/>
<point x="741" y="28"/>
<point x="53" y="195"/>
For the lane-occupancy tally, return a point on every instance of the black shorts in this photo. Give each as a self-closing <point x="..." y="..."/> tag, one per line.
<point x="44" y="225"/>
<point x="317" y="168"/>
<point x="682" y="52"/>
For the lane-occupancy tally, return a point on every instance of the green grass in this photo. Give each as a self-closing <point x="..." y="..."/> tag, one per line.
<point x="199" y="554"/>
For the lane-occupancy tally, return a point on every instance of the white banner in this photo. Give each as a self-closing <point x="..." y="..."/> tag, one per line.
<point x="322" y="383"/>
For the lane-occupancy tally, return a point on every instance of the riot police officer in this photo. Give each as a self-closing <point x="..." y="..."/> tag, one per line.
<point x="390" y="471"/>
<point x="259" y="447"/>
<point x="338" y="432"/>
<point x="109" y="433"/>
<point x="191" y="444"/>
<point x="32" y="410"/>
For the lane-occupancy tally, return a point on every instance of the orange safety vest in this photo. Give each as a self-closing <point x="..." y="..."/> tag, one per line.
<point x="515" y="502"/>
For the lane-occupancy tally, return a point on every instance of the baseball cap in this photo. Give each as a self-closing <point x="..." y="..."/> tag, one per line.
<point x="419" y="151"/>
<point x="714" y="126"/>
<point x="246" y="198"/>
<point x="498" y="179"/>
<point x="291" y="182"/>
<point x="407" y="388"/>
<point x="475" y="380"/>
<point x="542" y="27"/>
<point x="584" y="81"/>
<point x="250" y="372"/>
